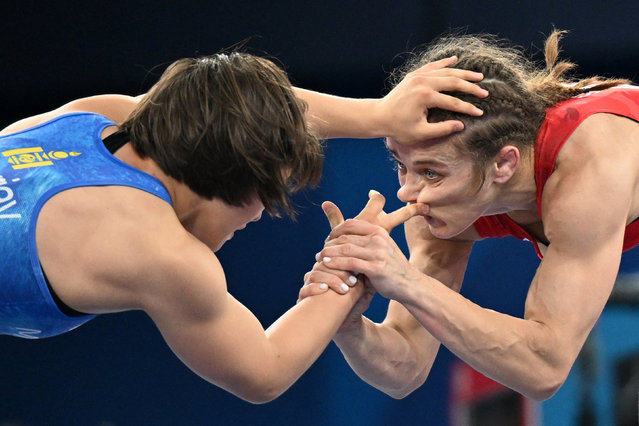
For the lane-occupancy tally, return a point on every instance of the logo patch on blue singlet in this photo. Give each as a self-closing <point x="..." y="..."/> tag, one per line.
<point x="24" y="158"/>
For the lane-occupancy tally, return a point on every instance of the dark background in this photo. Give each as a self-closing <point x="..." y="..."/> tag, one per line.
<point x="116" y="369"/>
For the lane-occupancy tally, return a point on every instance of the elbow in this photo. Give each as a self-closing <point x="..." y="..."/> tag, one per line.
<point x="260" y="393"/>
<point x="255" y="383"/>
<point x="258" y="398"/>
<point x="399" y="393"/>
<point x="261" y="387"/>
<point x="406" y="388"/>
<point x="545" y="385"/>
<point x="541" y="394"/>
<point x="549" y="369"/>
<point x="543" y="391"/>
<point x="403" y="391"/>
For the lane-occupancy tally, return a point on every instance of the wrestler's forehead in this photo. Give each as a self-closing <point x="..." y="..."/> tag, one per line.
<point x="440" y="149"/>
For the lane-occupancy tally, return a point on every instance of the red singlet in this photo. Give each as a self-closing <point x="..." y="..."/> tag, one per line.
<point x="561" y="120"/>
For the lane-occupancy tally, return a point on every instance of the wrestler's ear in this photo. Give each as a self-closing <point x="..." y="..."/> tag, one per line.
<point x="506" y="163"/>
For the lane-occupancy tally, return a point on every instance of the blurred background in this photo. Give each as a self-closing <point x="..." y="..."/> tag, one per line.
<point x="116" y="370"/>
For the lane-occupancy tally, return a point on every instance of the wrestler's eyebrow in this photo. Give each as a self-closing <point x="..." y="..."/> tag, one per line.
<point x="391" y="151"/>
<point x="429" y="162"/>
<point x="433" y="163"/>
<point x="393" y="154"/>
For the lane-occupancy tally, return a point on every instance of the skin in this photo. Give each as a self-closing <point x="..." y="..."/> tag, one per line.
<point x="532" y="355"/>
<point x="112" y="249"/>
<point x="102" y="252"/>
<point x="403" y="113"/>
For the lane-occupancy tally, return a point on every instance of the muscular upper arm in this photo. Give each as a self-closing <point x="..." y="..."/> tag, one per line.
<point x="585" y="205"/>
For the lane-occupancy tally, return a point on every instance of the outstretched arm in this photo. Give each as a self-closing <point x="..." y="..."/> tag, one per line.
<point x="223" y="342"/>
<point x="402" y="114"/>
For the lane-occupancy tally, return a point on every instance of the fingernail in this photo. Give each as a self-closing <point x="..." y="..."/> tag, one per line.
<point x="323" y="286"/>
<point x="317" y="257"/>
<point x="352" y="279"/>
<point x="345" y="287"/>
<point x="326" y="259"/>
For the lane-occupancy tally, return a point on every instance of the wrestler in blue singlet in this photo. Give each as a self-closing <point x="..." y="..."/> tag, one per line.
<point x="35" y="164"/>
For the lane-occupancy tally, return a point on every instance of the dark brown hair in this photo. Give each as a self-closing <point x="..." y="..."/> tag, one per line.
<point x="230" y="127"/>
<point x="520" y="91"/>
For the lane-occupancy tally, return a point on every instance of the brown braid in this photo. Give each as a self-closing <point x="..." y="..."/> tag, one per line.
<point x="519" y="90"/>
<point x="553" y="87"/>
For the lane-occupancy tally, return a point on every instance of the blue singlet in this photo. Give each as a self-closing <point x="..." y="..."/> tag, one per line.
<point x="35" y="164"/>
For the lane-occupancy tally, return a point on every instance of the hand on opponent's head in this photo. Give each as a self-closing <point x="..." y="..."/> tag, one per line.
<point x="405" y="108"/>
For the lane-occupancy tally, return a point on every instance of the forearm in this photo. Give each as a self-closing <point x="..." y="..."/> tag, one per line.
<point x="338" y="117"/>
<point x="232" y="350"/>
<point x="397" y="355"/>
<point x="385" y="358"/>
<point x="298" y="337"/>
<point x="521" y="354"/>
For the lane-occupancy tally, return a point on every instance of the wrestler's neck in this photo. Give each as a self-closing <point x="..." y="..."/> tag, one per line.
<point x="186" y="203"/>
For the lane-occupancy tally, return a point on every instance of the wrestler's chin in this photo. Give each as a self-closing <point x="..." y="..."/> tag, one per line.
<point x="442" y="230"/>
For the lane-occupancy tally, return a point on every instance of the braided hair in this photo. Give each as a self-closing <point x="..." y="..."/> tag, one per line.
<point x="520" y="91"/>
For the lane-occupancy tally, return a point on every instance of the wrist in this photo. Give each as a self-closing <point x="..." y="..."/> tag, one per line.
<point x="377" y="119"/>
<point x="409" y="287"/>
<point x="350" y="332"/>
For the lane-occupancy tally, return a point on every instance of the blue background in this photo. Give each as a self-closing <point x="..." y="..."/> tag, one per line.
<point x="116" y="369"/>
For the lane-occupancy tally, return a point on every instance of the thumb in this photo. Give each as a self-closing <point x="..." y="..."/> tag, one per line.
<point x="333" y="214"/>
<point x="373" y="207"/>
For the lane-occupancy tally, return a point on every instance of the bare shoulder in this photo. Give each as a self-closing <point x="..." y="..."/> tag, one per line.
<point x="604" y="147"/>
<point x="591" y="195"/>
<point x="109" y="249"/>
<point x="114" y="107"/>
<point x="602" y="136"/>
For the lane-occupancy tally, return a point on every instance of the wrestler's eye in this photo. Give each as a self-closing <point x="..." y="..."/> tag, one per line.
<point x="398" y="165"/>
<point x="430" y="175"/>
